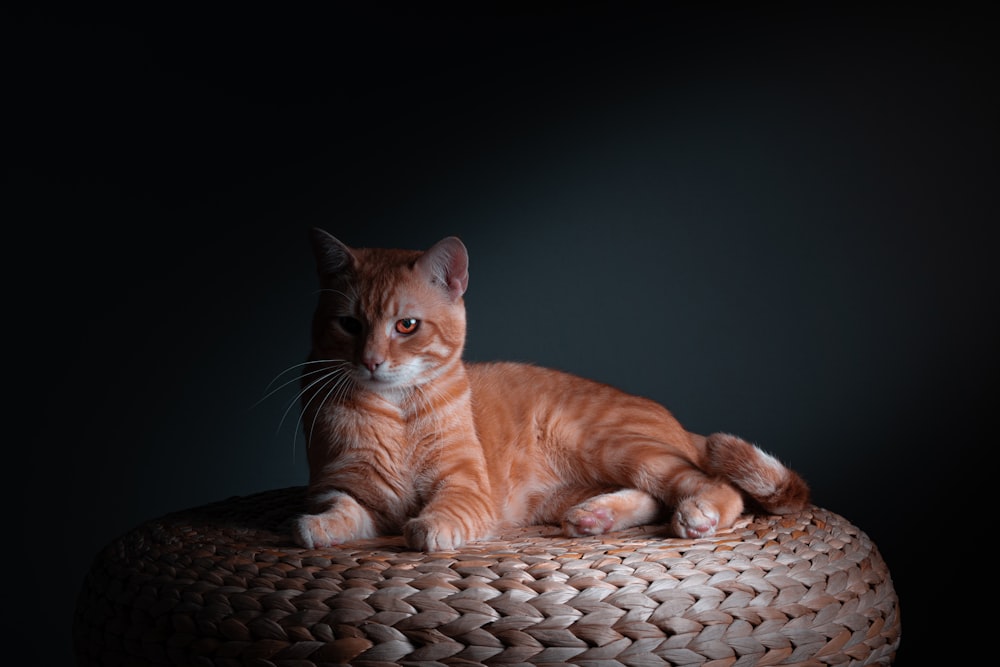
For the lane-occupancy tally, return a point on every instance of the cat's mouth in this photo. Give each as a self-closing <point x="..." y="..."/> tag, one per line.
<point x="385" y="379"/>
<point x="377" y="379"/>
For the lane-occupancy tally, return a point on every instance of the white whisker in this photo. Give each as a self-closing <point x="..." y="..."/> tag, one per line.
<point x="332" y="370"/>
<point x="340" y="379"/>
<point x="345" y="388"/>
<point x="298" y="396"/>
<point x="334" y="377"/>
<point x="326" y="363"/>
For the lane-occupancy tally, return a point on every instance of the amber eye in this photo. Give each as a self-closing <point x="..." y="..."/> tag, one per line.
<point x="407" y="325"/>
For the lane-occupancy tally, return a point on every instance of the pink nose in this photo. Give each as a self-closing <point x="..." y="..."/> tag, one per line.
<point x="371" y="364"/>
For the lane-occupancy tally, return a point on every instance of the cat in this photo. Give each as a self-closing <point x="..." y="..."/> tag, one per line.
<point x="405" y="437"/>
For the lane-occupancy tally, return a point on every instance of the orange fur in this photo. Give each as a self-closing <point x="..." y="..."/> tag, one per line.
<point x="406" y="437"/>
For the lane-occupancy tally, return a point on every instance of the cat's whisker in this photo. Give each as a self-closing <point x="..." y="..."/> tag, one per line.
<point x="341" y="380"/>
<point x="293" y="381"/>
<point x="344" y="389"/>
<point x="292" y="368"/>
<point x="334" y="377"/>
<point x="295" y="399"/>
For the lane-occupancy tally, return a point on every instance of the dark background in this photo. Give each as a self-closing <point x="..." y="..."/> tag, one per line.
<point x="778" y="222"/>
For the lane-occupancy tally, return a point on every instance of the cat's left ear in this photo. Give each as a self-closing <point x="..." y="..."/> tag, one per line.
<point x="332" y="255"/>
<point x="447" y="263"/>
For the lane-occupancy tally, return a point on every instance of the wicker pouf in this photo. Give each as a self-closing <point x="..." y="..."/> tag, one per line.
<point x="223" y="584"/>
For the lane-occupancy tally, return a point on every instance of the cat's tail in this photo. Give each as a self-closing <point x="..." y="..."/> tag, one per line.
<point x="775" y="487"/>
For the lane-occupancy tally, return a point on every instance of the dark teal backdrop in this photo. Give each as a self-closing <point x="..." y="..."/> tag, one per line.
<point x="779" y="223"/>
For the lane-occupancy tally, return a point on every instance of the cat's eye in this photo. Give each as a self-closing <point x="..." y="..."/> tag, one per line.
<point x="350" y="325"/>
<point x="407" y="325"/>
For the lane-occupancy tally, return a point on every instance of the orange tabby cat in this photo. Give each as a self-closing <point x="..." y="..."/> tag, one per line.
<point x="405" y="437"/>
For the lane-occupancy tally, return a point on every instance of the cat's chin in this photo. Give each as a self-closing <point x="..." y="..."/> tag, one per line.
<point x="387" y="388"/>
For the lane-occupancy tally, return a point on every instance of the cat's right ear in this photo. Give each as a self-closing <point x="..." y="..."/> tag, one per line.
<point x="332" y="256"/>
<point x="447" y="263"/>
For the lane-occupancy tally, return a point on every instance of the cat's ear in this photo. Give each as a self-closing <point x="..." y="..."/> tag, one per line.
<point x="447" y="263"/>
<point x="332" y="256"/>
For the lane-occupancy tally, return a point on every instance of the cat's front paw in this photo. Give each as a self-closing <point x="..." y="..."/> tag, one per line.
<point x="694" y="519"/>
<point x="432" y="533"/>
<point x="344" y="521"/>
<point x="314" y="531"/>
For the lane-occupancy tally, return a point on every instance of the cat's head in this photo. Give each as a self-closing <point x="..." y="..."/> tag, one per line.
<point x="394" y="318"/>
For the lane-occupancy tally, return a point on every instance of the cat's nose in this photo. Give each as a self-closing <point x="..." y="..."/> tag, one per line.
<point x="372" y="365"/>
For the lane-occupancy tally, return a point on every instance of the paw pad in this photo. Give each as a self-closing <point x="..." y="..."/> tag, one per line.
<point x="582" y="521"/>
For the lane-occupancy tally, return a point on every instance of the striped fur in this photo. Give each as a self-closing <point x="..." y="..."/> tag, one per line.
<point x="406" y="437"/>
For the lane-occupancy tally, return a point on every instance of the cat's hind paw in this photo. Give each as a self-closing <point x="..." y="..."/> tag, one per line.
<point x="585" y="520"/>
<point x="694" y="519"/>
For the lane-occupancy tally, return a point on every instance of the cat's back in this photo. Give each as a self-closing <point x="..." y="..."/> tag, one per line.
<point x="522" y="411"/>
<point x="522" y="383"/>
<point x="511" y="399"/>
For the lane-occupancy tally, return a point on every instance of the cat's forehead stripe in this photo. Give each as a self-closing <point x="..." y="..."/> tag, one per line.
<point x="381" y="278"/>
<point x="385" y="299"/>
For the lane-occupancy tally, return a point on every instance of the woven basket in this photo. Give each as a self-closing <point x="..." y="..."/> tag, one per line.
<point x="222" y="584"/>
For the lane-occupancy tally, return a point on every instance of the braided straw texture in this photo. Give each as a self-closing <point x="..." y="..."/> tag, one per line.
<point x="223" y="585"/>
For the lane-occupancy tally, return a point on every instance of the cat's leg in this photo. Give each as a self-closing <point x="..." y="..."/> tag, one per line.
<point x="460" y="510"/>
<point x="703" y="503"/>
<point x="343" y="520"/>
<point x="459" y="506"/>
<point x="456" y="515"/>
<point x="611" y="511"/>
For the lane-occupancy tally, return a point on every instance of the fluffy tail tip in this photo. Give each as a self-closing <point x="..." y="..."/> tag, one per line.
<point x="775" y="487"/>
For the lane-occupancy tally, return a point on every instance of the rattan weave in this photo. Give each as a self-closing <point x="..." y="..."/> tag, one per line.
<point x="223" y="584"/>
